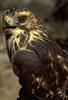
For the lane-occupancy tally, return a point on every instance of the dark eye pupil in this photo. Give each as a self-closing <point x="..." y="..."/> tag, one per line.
<point x="22" y="18"/>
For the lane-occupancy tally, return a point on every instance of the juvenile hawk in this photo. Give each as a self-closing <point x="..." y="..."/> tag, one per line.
<point x="38" y="61"/>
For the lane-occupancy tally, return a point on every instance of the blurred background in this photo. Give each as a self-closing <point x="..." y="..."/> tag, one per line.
<point x="54" y="14"/>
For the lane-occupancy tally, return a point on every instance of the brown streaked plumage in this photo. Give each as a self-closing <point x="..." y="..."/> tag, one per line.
<point x="38" y="61"/>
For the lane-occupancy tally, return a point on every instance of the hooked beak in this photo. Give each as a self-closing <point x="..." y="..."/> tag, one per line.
<point x="8" y="20"/>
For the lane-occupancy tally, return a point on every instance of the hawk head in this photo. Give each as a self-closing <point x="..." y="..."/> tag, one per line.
<point x="15" y="21"/>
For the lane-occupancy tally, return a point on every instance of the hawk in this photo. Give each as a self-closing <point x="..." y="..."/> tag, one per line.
<point x="38" y="61"/>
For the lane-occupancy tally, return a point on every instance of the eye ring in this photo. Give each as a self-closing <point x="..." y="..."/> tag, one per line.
<point x="22" y="18"/>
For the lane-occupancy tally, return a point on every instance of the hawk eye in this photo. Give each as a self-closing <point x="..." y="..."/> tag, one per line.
<point x="22" y="18"/>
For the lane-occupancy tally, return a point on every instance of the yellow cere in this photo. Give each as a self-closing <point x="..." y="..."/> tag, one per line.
<point x="9" y="20"/>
